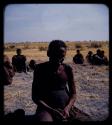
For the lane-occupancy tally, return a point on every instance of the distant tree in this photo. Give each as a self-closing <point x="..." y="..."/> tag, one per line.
<point x="96" y="45"/>
<point x="78" y="46"/>
<point x="41" y="48"/>
<point x="12" y="46"/>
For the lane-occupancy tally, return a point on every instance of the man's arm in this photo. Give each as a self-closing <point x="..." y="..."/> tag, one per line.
<point x="35" y="95"/>
<point x="34" y="85"/>
<point x="8" y="71"/>
<point x="50" y="109"/>
<point x="72" y="91"/>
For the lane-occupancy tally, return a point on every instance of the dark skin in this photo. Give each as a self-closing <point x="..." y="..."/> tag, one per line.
<point x="56" y="59"/>
<point x="8" y="71"/>
<point x="18" y="61"/>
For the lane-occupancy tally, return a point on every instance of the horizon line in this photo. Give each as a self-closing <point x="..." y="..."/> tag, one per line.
<point x="63" y="40"/>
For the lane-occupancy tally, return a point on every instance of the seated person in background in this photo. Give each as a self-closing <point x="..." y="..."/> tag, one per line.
<point x="97" y="58"/>
<point x="53" y="87"/>
<point x="105" y="59"/>
<point x="19" y="62"/>
<point x="31" y="65"/>
<point x="18" y="114"/>
<point x="89" y="57"/>
<point x="78" y="58"/>
<point x="8" y="71"/>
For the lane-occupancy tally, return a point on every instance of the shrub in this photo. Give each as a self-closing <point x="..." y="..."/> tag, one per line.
<point x="11" y="46"/>
<point x="78" y="46"/>
<point x="95" y="45"/>
<point x="41" y="48"/>
<point x="26" y="46"/>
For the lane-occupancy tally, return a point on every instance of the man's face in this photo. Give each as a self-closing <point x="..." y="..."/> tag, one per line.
<point x="6" y="59"/>
<point x="18" y="52"/>
<point x="58" y="55"/>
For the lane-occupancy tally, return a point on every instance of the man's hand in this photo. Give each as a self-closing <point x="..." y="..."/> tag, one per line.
<point x="42" y="103"/>
<point x="66" y="112"/>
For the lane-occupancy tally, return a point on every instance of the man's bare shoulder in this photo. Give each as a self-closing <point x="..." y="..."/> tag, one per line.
<point x="67" y="66"/>
<point x="41" y="65"/>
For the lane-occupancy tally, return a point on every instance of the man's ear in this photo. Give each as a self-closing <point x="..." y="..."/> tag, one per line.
<point x="48" y="53"/>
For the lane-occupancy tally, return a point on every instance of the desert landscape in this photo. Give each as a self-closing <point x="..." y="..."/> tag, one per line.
<point x="92" y="82"/>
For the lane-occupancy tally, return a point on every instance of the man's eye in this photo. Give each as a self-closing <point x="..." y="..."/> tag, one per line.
<point x="61" y="51"/>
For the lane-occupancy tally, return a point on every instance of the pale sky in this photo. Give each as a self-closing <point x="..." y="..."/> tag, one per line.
<point x="46" y="22"/>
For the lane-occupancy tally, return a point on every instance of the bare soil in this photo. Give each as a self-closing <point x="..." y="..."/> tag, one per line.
<point x="92" y="87"/>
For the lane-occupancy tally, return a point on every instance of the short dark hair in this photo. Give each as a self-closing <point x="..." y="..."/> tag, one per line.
<point x="98" y="50"/>
<point x="55" y="45"/>
<point x="90" y="52"/>
<point x="78" y="50"/>
<point x="17" y="50"/>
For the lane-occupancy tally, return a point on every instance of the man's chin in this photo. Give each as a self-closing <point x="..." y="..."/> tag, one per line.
<point x="57" y="61"/>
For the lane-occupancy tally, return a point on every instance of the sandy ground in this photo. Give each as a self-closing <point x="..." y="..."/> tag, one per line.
<point x="92" y="87"/>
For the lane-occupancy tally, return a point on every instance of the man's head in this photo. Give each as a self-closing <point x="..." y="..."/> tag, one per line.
<point x="32" y="64"/>
<point x="103" y="52"/>
<point x="78" y="51"/>
<point x="90" y="52"/>
<point x="6" y="59"/>
<point x="57" y="51"/>
<point x="98" y="51"/>
<point x="18" y="51"/>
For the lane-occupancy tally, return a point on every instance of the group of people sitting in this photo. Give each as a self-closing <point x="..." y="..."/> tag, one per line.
<point x="53" y="86"/>
<point x="19" y="62"/>
<point x="98" y="58"/>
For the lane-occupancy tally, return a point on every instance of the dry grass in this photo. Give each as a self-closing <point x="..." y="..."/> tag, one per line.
<point x="32" y="50"/>
<point x="92" y="87"/>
